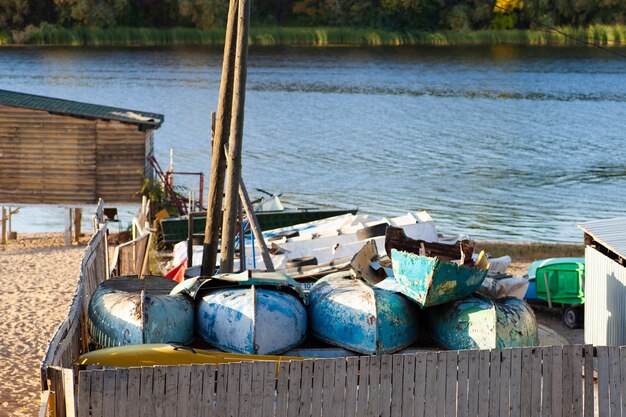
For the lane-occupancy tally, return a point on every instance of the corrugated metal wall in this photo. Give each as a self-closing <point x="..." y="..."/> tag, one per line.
<point x="605" y="300"/>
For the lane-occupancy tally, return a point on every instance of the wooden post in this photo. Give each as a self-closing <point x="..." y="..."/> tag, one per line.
<point x="3" y="239"/>
<point x="233" y="164"/>
<point x="67" y="237"/>
<point x="78" y="217"/>
<point x="242" y="240"/>
<point x="218" y="159"/>
<point x="254" y="225"/>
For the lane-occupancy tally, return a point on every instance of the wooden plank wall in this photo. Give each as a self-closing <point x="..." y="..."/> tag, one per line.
<point x="120" y="162"/>
<point x="46" y="158"/>
<point x="547" y="381"/>
<point x="70" y="339"/>
<point x="54" y="159"/>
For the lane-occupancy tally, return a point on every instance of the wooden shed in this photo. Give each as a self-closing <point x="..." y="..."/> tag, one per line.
<point x="63" y="152"/>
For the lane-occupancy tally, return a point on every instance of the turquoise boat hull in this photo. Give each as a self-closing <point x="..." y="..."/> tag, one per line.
<point x="482" y="323"/>
<point x="432" y="281"/>
<point x="128" y="310"/>
<point x="348" y="313"/>
<point x="251" y="320"/>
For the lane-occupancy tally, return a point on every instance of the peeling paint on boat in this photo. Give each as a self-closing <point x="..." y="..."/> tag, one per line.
<point x="482" y="323"/>
<point x="348" y="313"/>
<point x="431" y="281"/>
<point x="121" y="312"/>
<point x="251" y="320"/>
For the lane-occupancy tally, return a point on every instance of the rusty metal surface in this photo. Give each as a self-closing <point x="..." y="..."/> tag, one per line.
<point x="348" y="313"/>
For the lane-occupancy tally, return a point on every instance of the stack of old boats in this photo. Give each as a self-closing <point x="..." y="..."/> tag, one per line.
<point x="422" y="291"/>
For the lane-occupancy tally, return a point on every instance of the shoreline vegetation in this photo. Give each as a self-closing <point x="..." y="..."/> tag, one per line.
<point x="50" y="35"/>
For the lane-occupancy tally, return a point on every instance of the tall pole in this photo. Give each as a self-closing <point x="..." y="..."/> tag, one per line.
<point x="218" y="159"/>
<point x="233" y="165"/>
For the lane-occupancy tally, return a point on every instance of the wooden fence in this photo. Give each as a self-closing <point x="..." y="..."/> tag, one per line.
<point x="530" y="382"/>
<point x="543" y="381"/>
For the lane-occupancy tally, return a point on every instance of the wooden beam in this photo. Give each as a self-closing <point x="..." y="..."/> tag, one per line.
<point x="254" y="225"/>
<point x="78" y="217"/>
<point x="233" y="164"/>
<point x="3" y="239"/>
<point x="218" y="159"/>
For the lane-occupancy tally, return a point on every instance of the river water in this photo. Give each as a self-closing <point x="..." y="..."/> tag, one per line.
<point x="500" y="142"/>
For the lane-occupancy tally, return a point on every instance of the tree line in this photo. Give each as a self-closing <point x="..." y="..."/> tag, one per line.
<point x="427" y="15"/>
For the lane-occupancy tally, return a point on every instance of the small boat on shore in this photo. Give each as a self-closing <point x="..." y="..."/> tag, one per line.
<point x="482" y="323"/>
<point x="152" y="354"/>
<point x="430" y="281"/>
<point x="270" y="214"/>
<point x="131" y="310"/>
<point x="348" y="313"/>
<point x="260" y="314"/>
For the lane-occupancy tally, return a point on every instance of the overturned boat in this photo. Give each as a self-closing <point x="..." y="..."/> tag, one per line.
<point x="348" y="313"/>
<point x="431" y="281"/>
<point x="131" y="310"/>
<point x="260" y="313"/>
<point x="482" y="323"/>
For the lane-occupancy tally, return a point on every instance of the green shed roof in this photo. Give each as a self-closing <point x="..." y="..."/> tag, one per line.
<point x="76" y="108"/>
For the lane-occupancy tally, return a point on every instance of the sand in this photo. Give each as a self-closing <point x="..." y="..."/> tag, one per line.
<point x="38" y="276"/>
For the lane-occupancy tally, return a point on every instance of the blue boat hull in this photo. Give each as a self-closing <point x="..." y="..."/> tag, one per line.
<point x="482" y="323"/>
<point x="128" y="310"/>
<point x="251" y="320"/>
<point x="350" y="314"/>
<point x="432" y="281"/>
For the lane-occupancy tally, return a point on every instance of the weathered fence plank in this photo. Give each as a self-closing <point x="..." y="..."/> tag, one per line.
<point x="258" y="371"/>
<point x="373" y="406"/>
<point x="589" y="383"/>
<point x="535" y="382"/>
<point x="97" y="382"/>
<point x="234" y="375"/>
<point x="518" y="388"/>
<point x="195" y="390"/>
<point x="546" y="396"/>
<point x="397" y="390"/>
<point x="615" y="383"/>
<point x="494" y="383"/>
<point x="603" y="380"/>
<point x="385" y="385"/>
<point x="84" y="392"/>
<point x="108" y="393"/>
<point x="328" y="387"/>
<point x="245" y="390"/>
<point x="183" y="398"/>
<point x="505" y="382"/>
<point x="408" y="386"/>
<point x="440" y="398"/>
<point x="557" y="381"/>
<point x="208" y="399"/>
<point x="121" y="392"/>
<point x="473" y="383"/>
<point x="221" y="399"/>
<point x="364" y="384"/>
<point x="316" y="393"/>
<point x="171" y="390"/>
<point x="451" y="382"/>
<point x="577" y="381"/>
<point x="306" y="388"/>
<point x="134" y="391"/>
<point x="568" y="365"/>
<point x="421" y="360"/>
<point x="339" y="390"/>
<point x="484" y="383"/>
<point x="352" y="369"/>
<point x="623" y="369"/>
<point x="462" y="400"/>
<point x="269" y="389"/>
<point x="295" y="377"/>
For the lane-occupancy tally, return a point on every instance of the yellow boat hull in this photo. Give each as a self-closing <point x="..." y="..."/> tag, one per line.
<point x="166" y="354"/>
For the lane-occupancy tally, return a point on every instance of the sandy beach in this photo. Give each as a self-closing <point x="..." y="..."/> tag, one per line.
<point x="39" y="275"/>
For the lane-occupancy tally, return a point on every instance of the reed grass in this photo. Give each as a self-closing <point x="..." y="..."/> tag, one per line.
<point x="309" y="36"/>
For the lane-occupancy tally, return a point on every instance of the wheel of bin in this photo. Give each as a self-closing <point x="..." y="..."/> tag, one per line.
<point x="573" y="317"/>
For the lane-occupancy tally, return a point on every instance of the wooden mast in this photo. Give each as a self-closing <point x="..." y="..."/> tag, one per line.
<point x="218" y="159"/>
<point x="233" y="165"/>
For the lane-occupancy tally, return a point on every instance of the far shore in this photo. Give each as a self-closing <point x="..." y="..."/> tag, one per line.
<point x="50" y="35"/>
